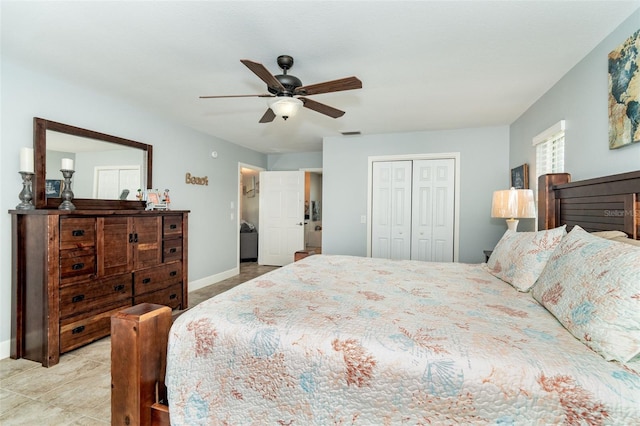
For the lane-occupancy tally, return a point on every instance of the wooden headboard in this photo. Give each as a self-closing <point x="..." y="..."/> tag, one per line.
<point x="602" y="204"/>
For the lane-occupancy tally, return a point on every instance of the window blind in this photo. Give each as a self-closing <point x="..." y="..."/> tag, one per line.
<point x="550" y="150"/>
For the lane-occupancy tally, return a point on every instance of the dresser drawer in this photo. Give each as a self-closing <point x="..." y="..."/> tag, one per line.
<point x="77" y="232"/>
<point x="172" y="250"/>
<point x="172" y="226"/>
<point x="85" y="328"/>
<point x="152" y="279"/>
<point x="77" y="264"/>
<point x="91" y="295"/>
<point x="170" y="296"/>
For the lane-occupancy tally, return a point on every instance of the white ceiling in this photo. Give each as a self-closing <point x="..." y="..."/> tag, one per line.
<point x="424" y="65"/>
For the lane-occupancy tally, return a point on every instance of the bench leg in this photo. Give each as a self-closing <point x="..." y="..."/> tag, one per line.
<point x="138" y="359"/>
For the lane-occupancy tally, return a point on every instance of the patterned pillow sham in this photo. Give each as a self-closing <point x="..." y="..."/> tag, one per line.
<point x="592" y="286"/>
<point x="520" y="257"/>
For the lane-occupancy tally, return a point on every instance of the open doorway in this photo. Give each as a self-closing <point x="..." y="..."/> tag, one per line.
<point x="313" y="210"/>
<point x="248" y="212"/>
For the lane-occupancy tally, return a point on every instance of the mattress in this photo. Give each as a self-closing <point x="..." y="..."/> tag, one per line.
<point x="340" y="339"/>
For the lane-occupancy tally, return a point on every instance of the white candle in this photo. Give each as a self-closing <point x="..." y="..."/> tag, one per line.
<point x="67" y="164"/>
<point x="26" y="160"/>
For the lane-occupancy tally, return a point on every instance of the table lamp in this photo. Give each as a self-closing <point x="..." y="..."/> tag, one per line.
<point x="513" y="204"/>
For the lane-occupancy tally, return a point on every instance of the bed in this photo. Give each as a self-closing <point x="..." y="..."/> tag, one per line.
<point x="341" y="339"/>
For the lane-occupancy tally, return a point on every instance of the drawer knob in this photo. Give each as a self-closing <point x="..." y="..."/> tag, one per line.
<point x="78" y="330"/>
<point x="118" y="287"/>
<point x="173" y="250"/>
<point x="77" y="266"/>
<point x="173" y="273"/>
<point x="173" y="296"/>
<point x="173" y="226"/>
<point x="146" y="281"/>
<point x="78" y="298"/>
<point x="77" y="232"/>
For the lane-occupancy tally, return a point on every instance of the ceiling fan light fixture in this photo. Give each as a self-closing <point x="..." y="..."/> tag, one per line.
<point x="284" y="106"/>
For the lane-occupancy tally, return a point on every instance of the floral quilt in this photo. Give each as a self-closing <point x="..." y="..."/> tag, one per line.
<point x="352" y="340"/>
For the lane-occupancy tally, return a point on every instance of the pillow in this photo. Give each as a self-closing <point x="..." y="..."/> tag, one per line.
<point x="609" y="235"/>
<point x="519" y="257"/>
<point x="627" y="241"/>
<point x="592" y="286"/>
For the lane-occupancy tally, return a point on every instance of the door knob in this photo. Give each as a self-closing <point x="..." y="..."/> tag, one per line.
<point x="300" y="224"/>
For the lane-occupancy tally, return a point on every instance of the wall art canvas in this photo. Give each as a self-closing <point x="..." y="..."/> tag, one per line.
<point x="520" y="177"/>
<point x="624" y="93"/>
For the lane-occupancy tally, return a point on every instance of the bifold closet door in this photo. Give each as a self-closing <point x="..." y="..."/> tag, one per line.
<point x="432" y="211"/>
<point x="391" y="210"/>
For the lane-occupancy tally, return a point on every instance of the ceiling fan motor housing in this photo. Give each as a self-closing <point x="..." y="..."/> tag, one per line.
<point x="290" y="83"/>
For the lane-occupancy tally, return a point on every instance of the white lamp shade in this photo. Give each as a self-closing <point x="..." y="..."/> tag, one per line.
<point x="513" y="203"/>
<point x="284" y="106"/>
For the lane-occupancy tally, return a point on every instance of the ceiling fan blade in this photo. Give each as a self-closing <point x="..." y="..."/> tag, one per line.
<point x="264" y="74"/>
<point x="348" y="83"/>
<point x="265" y="95"/>
<point x="322" y="108"/>
<point x="268" y="116"/>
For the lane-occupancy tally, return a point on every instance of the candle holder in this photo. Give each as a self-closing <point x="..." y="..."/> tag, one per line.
<point x="67" y="193"/>
<point x="26" y="195"/>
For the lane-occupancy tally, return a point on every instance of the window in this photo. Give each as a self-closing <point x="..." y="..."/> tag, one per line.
<point x="550" y="150"/>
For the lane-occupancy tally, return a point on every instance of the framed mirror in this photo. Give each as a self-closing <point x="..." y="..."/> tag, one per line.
<point x="109" y="170"/>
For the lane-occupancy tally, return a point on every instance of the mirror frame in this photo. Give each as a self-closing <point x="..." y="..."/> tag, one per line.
<point x="40" y="127"/>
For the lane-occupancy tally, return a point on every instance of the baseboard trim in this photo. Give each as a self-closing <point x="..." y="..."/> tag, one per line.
<point x="5" y="349"/>
<point x="212" y="279"/>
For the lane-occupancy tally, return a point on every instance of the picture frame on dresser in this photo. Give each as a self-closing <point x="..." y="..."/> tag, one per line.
<point x="54" y="188"/>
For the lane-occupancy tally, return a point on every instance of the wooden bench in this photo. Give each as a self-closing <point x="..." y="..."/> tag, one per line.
<point x="301" y="254"/>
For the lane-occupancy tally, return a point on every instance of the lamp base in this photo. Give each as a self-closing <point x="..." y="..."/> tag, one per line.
<point x="512" y="225"/>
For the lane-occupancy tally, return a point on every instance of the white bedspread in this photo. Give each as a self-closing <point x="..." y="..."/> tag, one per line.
<point x="350" y="340"/>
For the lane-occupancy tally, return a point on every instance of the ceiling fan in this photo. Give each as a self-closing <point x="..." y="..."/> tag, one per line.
<point x="287" y="94"/>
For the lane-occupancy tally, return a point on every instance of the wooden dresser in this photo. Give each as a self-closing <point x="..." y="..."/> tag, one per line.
<point x="73" y="270"/>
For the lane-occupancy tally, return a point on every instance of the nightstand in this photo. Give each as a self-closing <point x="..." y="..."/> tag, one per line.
<point x="487" y="254"/>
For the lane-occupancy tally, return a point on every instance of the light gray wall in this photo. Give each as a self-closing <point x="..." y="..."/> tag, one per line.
<point x="484" y="167"/>
<point x="294" y="161"/>
<point x="580" y="98"/>
<point x="213" y="236"/>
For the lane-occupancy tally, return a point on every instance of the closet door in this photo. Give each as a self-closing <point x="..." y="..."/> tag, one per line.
<point x="433" y="210"/>
<point x="391" y="210"/>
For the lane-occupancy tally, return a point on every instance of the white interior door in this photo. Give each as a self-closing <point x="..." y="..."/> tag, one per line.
<point x="433" y="210"/>
<point x="281" y="217"/>
<point x="109" y="182"/>
<point x="391" y="210"/>
<point x="129" y="179"/>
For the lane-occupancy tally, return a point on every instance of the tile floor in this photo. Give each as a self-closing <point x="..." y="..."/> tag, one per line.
<point x="77" y="391"/>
